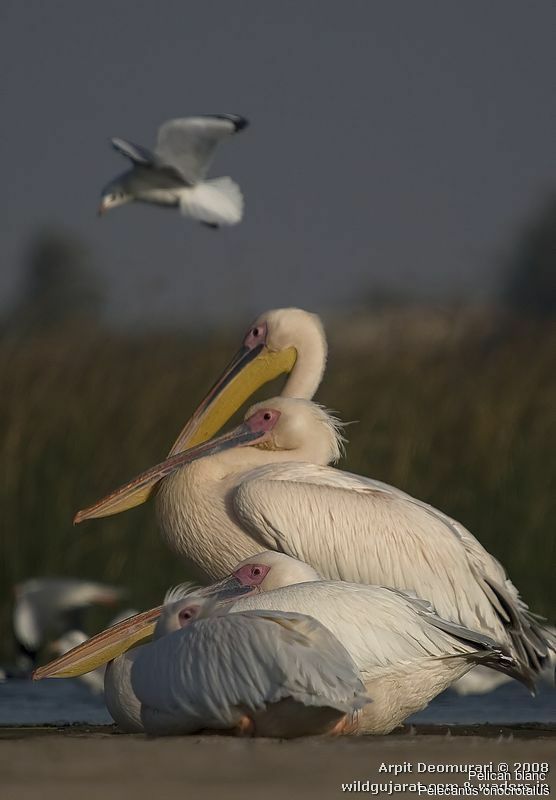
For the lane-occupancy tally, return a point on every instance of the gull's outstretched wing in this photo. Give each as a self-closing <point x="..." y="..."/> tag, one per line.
<point x="187" y="145"/>
<point x="137" y="154"/>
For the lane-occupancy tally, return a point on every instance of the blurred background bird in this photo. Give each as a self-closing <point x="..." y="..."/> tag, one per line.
<point x="174" y="173"/>
<point x="47" y="608"/>
<point x="93" y="680"/>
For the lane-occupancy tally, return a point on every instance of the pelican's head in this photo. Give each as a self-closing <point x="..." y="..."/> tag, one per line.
<point x="301" y="426"/>
<point x="269" y="570"/>
<point x="185" y="604"/>
<point x="114" y="195"/>
<point x="286" y="340"/>
<point x="275" y="343"/>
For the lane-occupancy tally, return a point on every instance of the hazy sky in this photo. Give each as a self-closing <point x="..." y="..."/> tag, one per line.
<point x="398" y="142"/>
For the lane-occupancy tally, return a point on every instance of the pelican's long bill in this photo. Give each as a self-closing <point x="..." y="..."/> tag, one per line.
<point x="112" y="642"/>
<point x="248" y="433"/>
<point x="250" y="368"/>
<point x="102" y="648"/>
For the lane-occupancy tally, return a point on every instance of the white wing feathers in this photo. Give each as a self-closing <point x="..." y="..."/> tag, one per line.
<point x="187" y="145"/>
<point x="356" y="529"/>
<point x="380" y="627"/>
<point x="209" y="670"/>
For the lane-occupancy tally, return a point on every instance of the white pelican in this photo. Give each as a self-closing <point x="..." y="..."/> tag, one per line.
<point x="405" y="653"/>
<point x="264" y="673"/>
<point x="284" y="340"/>
<point x="265" y="486"/>
<point x="52" y="606"/>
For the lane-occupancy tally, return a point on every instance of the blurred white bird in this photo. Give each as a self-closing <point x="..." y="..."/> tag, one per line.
<point x="174" y="174"/>
<point x="93" y="680"/>
<point x="49" y="607"/>
<point x="264" y="673"/>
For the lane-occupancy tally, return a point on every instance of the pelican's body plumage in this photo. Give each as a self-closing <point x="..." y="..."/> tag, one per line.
<point x="263" y="673"/>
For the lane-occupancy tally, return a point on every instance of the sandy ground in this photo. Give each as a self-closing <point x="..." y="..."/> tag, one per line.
<point x="86" y="764"/>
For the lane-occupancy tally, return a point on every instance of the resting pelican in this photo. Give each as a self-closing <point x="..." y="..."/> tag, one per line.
<point x="284" y="340"/>
<point x="405" y="653"/>
<point x="264" y="485"/>
<point x="264" y="673"/>
<point x="52" y="606"/>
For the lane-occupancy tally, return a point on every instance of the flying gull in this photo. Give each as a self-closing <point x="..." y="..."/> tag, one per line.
<point x="174" y="174"/>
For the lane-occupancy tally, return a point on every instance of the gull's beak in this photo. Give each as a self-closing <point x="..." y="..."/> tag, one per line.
<point x="133" y="492"/>
<point x="101" y="209"/>
<point x="102" y="648"/>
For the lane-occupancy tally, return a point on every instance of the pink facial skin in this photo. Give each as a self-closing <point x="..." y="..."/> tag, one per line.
<point x="255" y="336"/>
<point x="187" y="615"/>
<point x="263" y="420"/>
<point x="252" y="574"/>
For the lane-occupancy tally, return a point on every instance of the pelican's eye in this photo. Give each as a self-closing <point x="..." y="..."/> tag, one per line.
<point x="267" y="415"/>
<point x="252" y="574"/>
<point x="186" y="615"/>
<point x="256" y="336"/>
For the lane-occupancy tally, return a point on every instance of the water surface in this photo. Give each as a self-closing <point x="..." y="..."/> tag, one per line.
<point x="64" y="701"/>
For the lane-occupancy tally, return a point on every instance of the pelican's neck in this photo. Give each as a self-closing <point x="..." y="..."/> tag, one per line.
<point x="240" y="460"/>
<point x="305" y="377"/>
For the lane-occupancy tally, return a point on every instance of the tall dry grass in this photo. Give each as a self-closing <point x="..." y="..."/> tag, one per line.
<point x="467" y="423"/>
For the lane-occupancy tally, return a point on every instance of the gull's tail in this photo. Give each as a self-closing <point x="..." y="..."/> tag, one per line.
<point x="217" y="202"/>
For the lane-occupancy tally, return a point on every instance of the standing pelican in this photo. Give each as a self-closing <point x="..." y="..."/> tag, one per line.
<point x="284" y="340"/>
<point x="264" y="485"/>
<point x="265" y="673"/>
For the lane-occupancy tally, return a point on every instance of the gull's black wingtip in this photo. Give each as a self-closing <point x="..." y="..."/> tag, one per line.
<point x="238" y="122"/>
